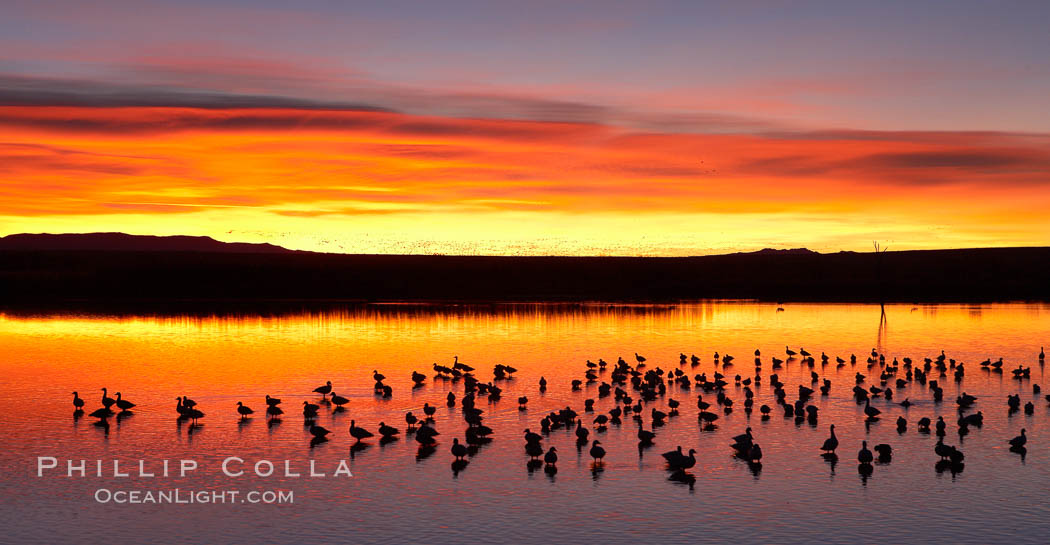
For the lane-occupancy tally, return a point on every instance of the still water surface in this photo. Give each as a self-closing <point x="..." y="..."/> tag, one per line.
<point x="394" y="497"/>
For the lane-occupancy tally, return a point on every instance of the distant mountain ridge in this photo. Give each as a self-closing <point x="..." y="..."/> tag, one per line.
<point x="776" y="251"/>
<point x="123" y="242"/>
<point x="107" y="268"/>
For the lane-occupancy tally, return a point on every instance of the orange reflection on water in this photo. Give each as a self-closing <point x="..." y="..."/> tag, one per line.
<point x="221" y="359"/>
<point x="230" y="354"/>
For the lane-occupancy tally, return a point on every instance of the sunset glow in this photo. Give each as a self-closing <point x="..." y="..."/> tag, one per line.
<point x="309" y="153"/>
<point x="456" y="271"/>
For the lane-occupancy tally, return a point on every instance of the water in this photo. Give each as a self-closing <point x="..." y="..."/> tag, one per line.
<point x="394" y="497"/>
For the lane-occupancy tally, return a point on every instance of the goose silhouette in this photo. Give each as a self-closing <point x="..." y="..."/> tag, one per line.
<point x="194" y="414"/>
<point x="387" y="431"/>
<point x="690" y="460"/>
<point x="243" y="410"/>
<point x="1020" y="440"/>
<point x="534" y="450"/>
<point x="78" y="403"/>
<point x="754" y="454"/>
<point x="324" y="390"/>
<point x="456" y="364"/>
<point x="743" y="440"/>
<point x="101" y="414"/>
<point x="944" y="451"/>
<point x="674" y="455"/>
<point x="831" y="443"/>
<point x="425" y="435"/>
<point x="358" y="432"/>
<point x="870" y="411"/>
<point x="458" y="450"/>
<point x="581" y="432"/>
<point x="532" y="437"/>
<point x="551" y="458"/>
<point x="865" y="456"/>
<point x="124" y="404"/>
<point x="678" y="461"/>
<point x="107" y="401"/>
<point x="339" y="400"/>
<point x="597" y="452"/>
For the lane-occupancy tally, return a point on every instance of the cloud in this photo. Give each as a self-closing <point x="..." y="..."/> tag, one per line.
<point x="1008" y="162"/>
<point x="17" y="158"/>
<point x="171" y="86"/>
<point x="972" y="159"/>
<point x="32" y="91"/>
<point x="254" y="154"/>
<point x="143" y="120"/>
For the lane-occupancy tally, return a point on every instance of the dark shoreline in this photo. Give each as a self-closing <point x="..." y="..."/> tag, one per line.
<point x="144" y="280"/>
<point x="319" y="310"/>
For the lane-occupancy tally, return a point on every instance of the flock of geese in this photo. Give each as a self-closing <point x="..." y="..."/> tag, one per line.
<point x="634" y="387"/>
<point x="106" y="410"/>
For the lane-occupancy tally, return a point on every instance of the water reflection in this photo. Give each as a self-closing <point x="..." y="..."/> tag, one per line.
<point x="224" y="357"/>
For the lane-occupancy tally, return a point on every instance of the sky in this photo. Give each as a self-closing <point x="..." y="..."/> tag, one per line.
<point x="524" y="128"/>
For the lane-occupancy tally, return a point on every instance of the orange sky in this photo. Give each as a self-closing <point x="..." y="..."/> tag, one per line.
<point x="366" y="181"/>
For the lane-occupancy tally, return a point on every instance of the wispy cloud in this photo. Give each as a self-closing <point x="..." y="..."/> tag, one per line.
<point x="289" y="161"/>
<point x="364" y="96"/>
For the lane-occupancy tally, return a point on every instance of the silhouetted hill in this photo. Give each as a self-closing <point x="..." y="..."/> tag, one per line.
<point x="150" y="278"/>
<point x="774" y="251"/>
<point x="122" y="242"/>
